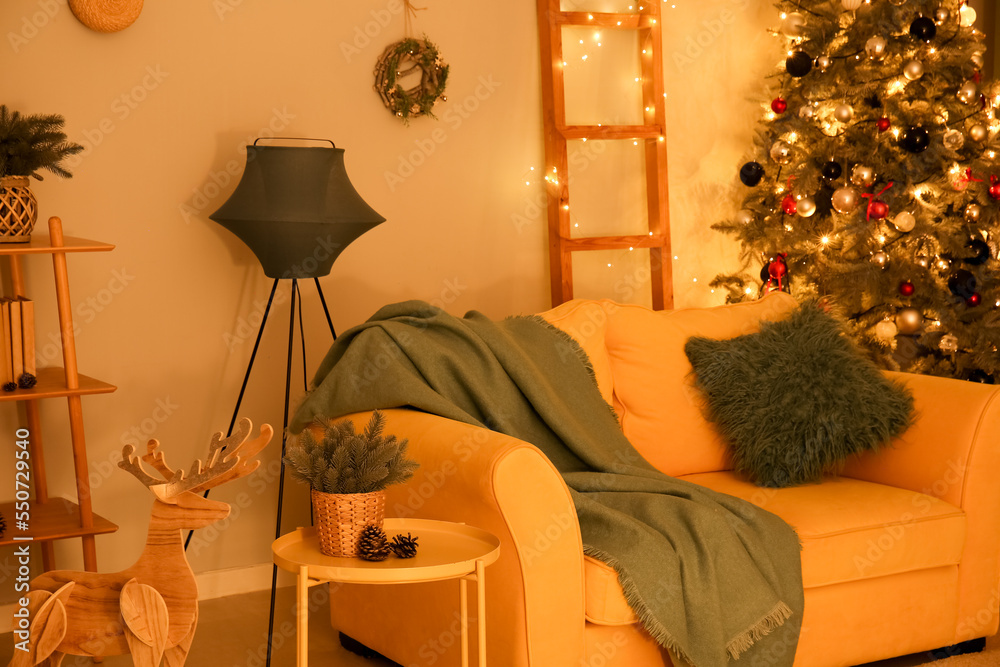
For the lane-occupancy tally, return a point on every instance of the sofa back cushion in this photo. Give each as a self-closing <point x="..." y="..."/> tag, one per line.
<point x="587" y="322"/>
<point x="660" y="409"/>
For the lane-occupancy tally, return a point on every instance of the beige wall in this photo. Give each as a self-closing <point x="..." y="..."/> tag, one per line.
<point x="166" y="105"/>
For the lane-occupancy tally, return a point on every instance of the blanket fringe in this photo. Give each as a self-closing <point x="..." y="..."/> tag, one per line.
<point x="646" y="618"/>
<point x="771" y="621"/>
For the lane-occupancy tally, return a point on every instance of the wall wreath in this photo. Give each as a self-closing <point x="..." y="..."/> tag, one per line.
<point x="401" y="59"/>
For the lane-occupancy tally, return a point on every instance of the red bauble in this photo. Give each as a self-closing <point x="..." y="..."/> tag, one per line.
<point x="777" y="268"/>
<point x="883" y="124"/>
<point x="906" y="288"/>
<point x="974" y="299"/>
<point x="878" y="209"/>
<point x="779" y="105"/>
<point x="789" y="205"/>
<point x="995" y="187"/>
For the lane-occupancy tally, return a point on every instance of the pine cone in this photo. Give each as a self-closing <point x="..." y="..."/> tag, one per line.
<point x="3" y="525"/>
<point x="10" y="386"/>
<point x="373" y="544"/>
<point x="404" y="547"/>
<point x="27" y="381"/>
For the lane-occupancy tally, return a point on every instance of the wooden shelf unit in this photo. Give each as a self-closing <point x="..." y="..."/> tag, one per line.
<point x="57" y="518"/>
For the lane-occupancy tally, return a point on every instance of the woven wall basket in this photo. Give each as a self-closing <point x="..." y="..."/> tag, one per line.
<point x="340" y="518"/>
<point x="18" y="209"/>
<point x="106" y="15"/>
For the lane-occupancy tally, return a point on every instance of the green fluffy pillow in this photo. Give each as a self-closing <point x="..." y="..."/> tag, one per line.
<point x="796" y="399"/>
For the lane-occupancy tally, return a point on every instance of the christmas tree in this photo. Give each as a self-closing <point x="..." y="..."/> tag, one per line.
<point x="874" y="181"/>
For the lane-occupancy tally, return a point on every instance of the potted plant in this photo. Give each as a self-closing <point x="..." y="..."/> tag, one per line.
<point x="27" y="145"/>
<point x="348" y="473"/>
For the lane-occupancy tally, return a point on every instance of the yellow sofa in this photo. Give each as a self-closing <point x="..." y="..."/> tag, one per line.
<point x="901" y="551"/>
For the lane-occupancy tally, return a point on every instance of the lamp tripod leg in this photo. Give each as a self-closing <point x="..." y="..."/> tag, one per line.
<point x="246" y="379"/>
<point x="284" y="440"/>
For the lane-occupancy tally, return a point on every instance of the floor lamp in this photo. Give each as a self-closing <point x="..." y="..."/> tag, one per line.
<point x="296" y="209"/>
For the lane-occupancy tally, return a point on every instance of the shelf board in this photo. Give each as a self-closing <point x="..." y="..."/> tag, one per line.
<point x="52" y="384"/>
<point x="55" y="519"/>
<point x="41" y="244"/>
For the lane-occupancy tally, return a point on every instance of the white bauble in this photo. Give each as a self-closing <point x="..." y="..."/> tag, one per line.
<point x="953" y="139"/>
<point x="875" y="47"/>
<point x="844" y="113"/>
<point x="845" y="199"/>
<point x="886" y="329"/>
<point x="904" y="222"/>
<point x="913" y="70"/>
<point x="969" y="92"/>
<point x="851" y="5"/>
<point x="966" y="16"/>
<point x="793" y="24"/>
<point x="978" y="132"/>
<point x="806" y="207"/>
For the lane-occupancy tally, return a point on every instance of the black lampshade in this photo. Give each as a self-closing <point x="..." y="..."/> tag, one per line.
<point x="296" y="209"/>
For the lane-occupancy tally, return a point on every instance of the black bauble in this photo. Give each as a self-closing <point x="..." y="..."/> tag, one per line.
<point x="765" y="272"/>
<point x="982" y="252"/>
<point x="799" y="64"/>
<point x="962" y="283"/>
<point x="915" y="140"/>
<point x="751" y="173"/>
<point x="832" y="170"/>
<point x="923" y="28"/>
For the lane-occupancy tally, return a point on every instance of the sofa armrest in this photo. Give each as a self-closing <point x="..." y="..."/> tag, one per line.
<point x="952" y="452"/>
<point x="534" y="592"/>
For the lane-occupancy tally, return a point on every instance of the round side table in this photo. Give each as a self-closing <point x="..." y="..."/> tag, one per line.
<point x="445" y="551"/>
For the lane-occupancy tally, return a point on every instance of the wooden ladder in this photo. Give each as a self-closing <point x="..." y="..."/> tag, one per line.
<point x="652" y="132"/>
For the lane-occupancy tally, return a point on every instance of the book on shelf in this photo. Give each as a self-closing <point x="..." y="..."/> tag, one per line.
<point x="28" y="334"/>
<point x="16" y="345"/>
<point x="6" y="368"/>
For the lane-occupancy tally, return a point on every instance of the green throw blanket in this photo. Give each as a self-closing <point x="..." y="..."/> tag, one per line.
<point x="709" y="576"/>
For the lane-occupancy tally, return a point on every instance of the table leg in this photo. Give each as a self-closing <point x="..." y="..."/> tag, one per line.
<point x="481" y="609"/>
<point x="302" y="617"/>
<point x="464" y="612"/>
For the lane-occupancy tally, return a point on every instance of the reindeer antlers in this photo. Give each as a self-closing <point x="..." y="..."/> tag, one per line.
<point x="218" y="469"/>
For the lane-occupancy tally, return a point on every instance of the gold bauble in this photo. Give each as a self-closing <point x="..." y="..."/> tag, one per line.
<point x="908" y="321"/>
<point x="845" y="199"/>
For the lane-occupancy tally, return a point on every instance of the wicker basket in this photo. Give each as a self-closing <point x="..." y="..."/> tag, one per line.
<point x="340" y="518"/>
<point x="18" y="209"/>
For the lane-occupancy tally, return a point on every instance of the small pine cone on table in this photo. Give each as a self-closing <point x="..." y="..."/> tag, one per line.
<point x="373" y="544"/>
<point x="3" y="525"/>
<point x="404" y="546"/>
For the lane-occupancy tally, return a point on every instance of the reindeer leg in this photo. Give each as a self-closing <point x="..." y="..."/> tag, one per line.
<point x="47" y="612"/>
<point x="176" y="655"/>
<point x="146" y="623"/>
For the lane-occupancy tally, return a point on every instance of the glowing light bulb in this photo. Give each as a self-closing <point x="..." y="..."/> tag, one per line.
<point x="825" y="240"/>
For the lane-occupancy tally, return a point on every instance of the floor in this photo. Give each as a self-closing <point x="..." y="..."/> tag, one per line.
<point x="232" y="632"/>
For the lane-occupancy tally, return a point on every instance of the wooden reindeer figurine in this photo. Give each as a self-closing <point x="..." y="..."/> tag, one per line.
<point x="151" y="609"/>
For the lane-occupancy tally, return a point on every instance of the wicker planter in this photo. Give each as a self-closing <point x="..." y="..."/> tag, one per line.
<point x="340" y="518"/>
<point x="18" y="209"/>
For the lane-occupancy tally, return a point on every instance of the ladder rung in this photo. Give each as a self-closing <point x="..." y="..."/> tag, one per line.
<point x="614" y="242"/>
<point x="604" y="20"/>
<point x="611" y="131"/>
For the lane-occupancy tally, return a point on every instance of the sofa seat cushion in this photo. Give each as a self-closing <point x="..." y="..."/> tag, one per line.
<point x="605" y="602"/>
<point x="852" y="530"/>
